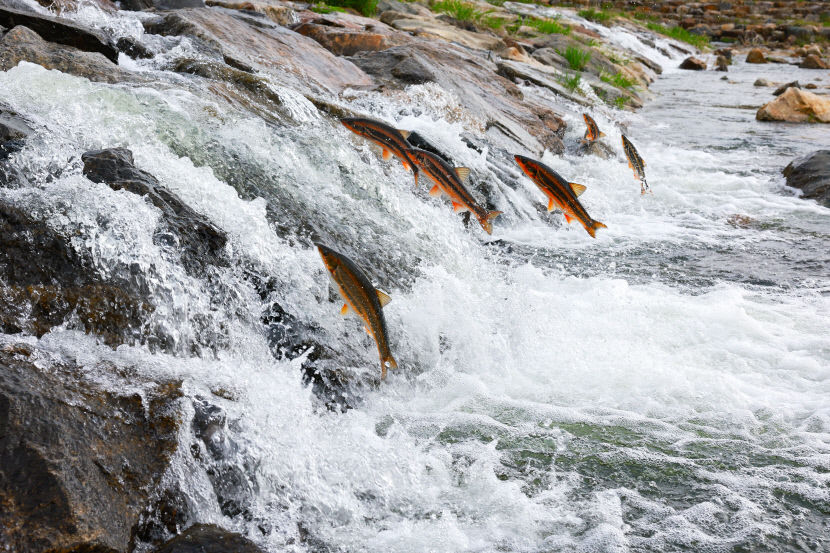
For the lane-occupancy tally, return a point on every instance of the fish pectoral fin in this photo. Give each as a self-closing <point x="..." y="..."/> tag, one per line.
<point x="387" y="155"/>
<point x="601" y="134"/>
<point x="578" y="188"/>
<point x="551" y="205"/>
<point x="630" y="166"/>
<point x="383" y="298"/>
<point x="568" y="218"/>
<point x="463" y="173"/>
<point x="457" y="207"/>
<point x="405" y="164"/>
<point x="404" y="134"/>
<point x="345" y="309"/>
<point x="436" y="191"/>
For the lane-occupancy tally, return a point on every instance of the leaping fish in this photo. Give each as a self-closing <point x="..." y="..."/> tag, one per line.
<point x="450" y="181"/>
<point x="592" y="132"/>
<point x="636" y="163"/>
<point x="560" y="193"/>
<point x="390" y="140"/>
<point x="362" y="298"/>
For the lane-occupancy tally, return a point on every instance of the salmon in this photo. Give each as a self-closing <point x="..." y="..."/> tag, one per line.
<point x="636" y="163"/>
<point x="450" y="181"/>
<point x="361" y="298"/>
<point x="592" y="132"/>
<point x="390" y="140"/>
<point x="560" y="193"/>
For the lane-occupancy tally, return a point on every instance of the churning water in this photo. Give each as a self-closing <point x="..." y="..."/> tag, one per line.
<point x="665" y="387"/>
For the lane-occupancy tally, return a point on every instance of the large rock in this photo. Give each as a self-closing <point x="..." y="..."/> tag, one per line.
<point x="796" y="106"/>
<point x="47" y="283"/>
<point x="23" y="44"/>
<point x="60" y="31"/>
<point x="783" y="88"/>
<point x="199" y="241"/>
<point x="472" y="79"/>
<point x="596" y="148"/>
<point x="432" y="28"/>
<point x="756" y="56"/>
<point x="137" y="5"/>
<point x="77" y="461"/>
<point x="693" y="64"/>
<point x="347" y="42"/>
<point x="812" y="61"/>
<point x="209" y="538"/>
<point x="811" y="175"/>
<point x="254" y="40"/>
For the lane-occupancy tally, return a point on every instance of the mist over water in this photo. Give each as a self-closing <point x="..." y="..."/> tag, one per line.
<point x="661" y="388"/>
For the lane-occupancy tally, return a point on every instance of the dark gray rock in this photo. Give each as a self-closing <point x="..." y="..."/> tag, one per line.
<point x="551" y="57"/>
<point x="60" y="31"/>
<point x="811" y="175"/>
<point x="133" y="48"/>
<point x="138" y="5"/>
<point x="209" y="538"/>
<point x="77" y="462"/>
<point x="199" y="241"/>
<point x="596" y="148"/>
<point x="783" y="88"/>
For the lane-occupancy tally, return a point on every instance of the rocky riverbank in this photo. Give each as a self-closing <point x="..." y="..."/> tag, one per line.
<point x="92" y="451"/>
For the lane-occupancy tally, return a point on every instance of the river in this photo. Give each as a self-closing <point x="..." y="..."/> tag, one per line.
<point x="661" y="388"/>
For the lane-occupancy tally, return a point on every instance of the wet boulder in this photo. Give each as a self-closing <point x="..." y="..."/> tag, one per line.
<point x="722" y="64"/>
<point x="23" y="44"/>
<point x="596" y="148"/>
<point x="693" y="64"/>
<point x="811" y="175"/>
<point x="47" y="283"/>
<point x="812" y="61"/>
<point x="138" y="5"/>
<point x="756" y="55"/>
<point x="13" y="132"/>
<point x="763" y="82"/>
<point x="199" y="242"/>
<point x="78" y="461"/>
<point x="60" y="31"/>
<point x="783" y="88"/>
<point x="796" y="106"/>
<point x="209" y="538"/>
<point x="347" y="42"/>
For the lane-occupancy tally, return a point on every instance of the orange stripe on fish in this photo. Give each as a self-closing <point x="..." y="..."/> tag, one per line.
<point x="450" y="181"/>
<point x="560" y="193"/>
<point x="361" y="298"/>
<point x="390" y="140"/>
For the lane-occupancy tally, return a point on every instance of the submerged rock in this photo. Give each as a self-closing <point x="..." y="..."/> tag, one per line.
<point x="60" y="31"/>
<point x="811" y="175"/>
<point x="209" y="538"/>
<point x="722" y="64"/>
<point x="77" y="461"/>
<point x="694" y="64"/>
<point x="762" y="82"/>
<point x="796" y="106"/>
<point x="596" y="148"/>
<point x="199" y="241"/>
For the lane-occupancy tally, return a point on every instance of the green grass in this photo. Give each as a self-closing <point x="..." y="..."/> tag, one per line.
<point x="365" y="7"/>
<point x="576" y="57"/>
<point x="570" y="81"/>
<point x="462" y="11"/>
<point x="825" y="19"/>
<point x="325" y="8"/>
<point x="597" y="16"/>
<point x="620" y="101"/>
<point x="646" y="17"/>
<point x="619" y="80"/>
<point x="492" y="22"/>
<point x="679" y="33"/>
<point x="547" y="26"/>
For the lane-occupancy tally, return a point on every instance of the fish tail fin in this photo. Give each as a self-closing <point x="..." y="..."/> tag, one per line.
<point x="388" y="363"/>
<point x="487" y="221"/>
<point x="593" y="227"/>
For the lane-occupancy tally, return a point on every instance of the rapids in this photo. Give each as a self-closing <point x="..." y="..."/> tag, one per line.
<point x="661" y="388"/>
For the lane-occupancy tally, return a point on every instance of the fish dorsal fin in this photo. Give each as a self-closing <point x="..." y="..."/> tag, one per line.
<point x="383" y="298"/>
<point x="463" y="173"/>
<point x="404" y="134"/>
<point x="577" y="188"/>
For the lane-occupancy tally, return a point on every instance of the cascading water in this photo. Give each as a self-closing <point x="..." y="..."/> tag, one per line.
<point x="661" y="388"/>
